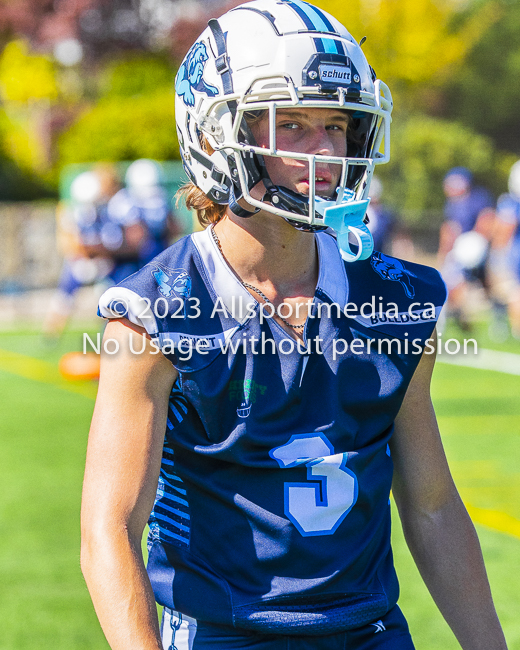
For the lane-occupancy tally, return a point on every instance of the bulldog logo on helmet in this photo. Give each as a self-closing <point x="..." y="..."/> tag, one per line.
<point x="391" y="269"/>
<point x="190" y="75"/>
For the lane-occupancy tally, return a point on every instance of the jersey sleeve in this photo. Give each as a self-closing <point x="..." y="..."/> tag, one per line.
<point x="122" y="302"/>
<point x="171" y="298"/>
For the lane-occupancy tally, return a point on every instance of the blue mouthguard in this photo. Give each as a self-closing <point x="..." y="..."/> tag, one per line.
<point x="347" y="218"/>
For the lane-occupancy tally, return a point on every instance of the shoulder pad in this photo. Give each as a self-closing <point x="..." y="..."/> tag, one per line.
<point x="171" y="298"/>
<point x="395" y="297"/>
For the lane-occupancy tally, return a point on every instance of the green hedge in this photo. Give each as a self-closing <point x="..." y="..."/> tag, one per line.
<point x="127" y="128"/>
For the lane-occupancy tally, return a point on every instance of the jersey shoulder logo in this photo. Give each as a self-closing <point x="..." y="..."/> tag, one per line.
<point x="172" y="282"/>
<point x="190" y="75"/>
<point x="391" y="269"/>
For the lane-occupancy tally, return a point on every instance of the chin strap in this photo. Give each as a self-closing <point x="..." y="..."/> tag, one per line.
<point x="238" y="209"/>
<point x="284" y="198"/>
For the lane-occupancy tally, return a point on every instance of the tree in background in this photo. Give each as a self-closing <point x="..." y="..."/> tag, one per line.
<point x="56" y="61"/>
<point x="112" y="69"/>
<point x="424" y="148"/>
<point x="27" y="88"/>
<point x="486" y="88"/>
<point x="133" y="118"/>
<point x="416" y="46"/>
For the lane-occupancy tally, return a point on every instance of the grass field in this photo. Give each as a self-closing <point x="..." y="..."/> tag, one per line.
<point x="44" y="424"/>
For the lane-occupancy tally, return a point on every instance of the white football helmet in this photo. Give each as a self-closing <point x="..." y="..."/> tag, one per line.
<point x="85" y="188"/>
<point x="143" y="173"/>
<point x="514" y="180"/>
<point x="263" y="56"/>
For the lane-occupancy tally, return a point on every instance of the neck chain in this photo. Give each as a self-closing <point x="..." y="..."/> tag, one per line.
<point x="250" y="286"/>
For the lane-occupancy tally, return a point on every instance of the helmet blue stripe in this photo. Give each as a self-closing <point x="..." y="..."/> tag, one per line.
<point x="303" y="15"/>
<point x="314" y="20"/>
<point x="328" y="45"/>
<point x="318" y="19"/>
<point x="318" y="42"/>
<point x="332" y="46"/>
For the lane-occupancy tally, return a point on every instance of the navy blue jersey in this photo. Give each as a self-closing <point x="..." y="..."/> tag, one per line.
<point x="272" y="509"/>
<point x="464" y="210"/>
<point x="95" y="227"/>
<point x="382" y="224"/>
<point x="151" y="210"/>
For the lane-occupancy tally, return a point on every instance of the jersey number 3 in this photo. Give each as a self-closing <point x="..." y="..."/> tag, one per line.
<point x="318" y="506"/>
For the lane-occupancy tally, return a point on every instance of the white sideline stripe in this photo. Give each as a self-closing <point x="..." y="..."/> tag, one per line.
<point x="506" y="362"/>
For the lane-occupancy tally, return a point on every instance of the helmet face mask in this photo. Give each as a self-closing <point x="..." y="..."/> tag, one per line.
<point x="276" y="56"/>
<point x="351" y="170"/>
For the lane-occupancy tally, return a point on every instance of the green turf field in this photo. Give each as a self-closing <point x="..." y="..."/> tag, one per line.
<point x="44" y="424"/>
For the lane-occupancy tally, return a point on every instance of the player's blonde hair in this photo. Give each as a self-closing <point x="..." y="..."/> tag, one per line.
<point x="207" y="211"/>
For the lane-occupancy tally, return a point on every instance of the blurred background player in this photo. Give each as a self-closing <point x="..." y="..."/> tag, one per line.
<point x="464" y="240"/>
<point x="505" y="255"/>
<point x="143" y="205"/>
<point x="107" y="233"/>
<point x="87" y="241"/>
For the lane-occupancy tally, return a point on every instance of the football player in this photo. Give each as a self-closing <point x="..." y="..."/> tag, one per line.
<point x="96" y="248"/>
<point x="464" y="241"/>
<point x="253" y="414"/>
<point x="505" y="255"/>
<point x="144" y="203"/>
<point x="87" y="242"/>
